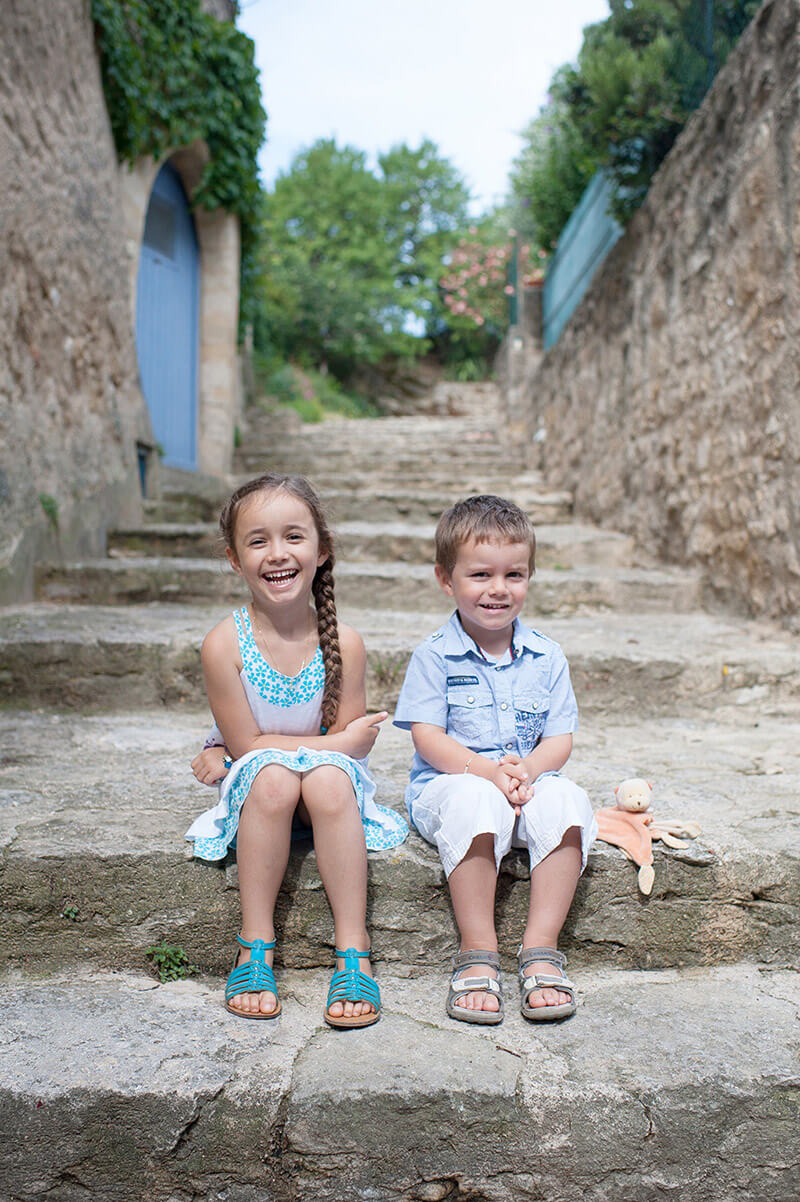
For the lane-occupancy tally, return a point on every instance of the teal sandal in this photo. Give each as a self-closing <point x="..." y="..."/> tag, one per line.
<point x="254" y="976"/>
<point x="353" y="985"/>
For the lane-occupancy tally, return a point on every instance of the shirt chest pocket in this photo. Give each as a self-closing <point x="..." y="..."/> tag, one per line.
<point x="530" y="712"/>
<point x="470" y="715"/>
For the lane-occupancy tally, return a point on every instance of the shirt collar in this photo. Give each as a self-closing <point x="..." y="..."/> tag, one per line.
<point x="457" y="643"/>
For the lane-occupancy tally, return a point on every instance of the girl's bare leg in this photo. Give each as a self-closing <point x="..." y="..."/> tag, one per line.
<point x="472" y="888"/>
<point x="262" y="852"/>
<point x="342" y="862"/>
<point x="553" y="884"/>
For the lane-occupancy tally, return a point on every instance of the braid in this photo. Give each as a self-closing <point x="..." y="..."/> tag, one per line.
<point x="322" y="586"/>
<point x="328" y="629"/>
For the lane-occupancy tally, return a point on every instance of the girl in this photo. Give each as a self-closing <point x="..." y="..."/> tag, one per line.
<point x="285" y="683"/>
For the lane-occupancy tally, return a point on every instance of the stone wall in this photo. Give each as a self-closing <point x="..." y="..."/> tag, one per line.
<point x="70" y="408"/>
<point x="671" y="403"/>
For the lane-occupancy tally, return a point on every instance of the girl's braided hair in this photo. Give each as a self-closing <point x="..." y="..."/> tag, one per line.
<point x="322" y="586"/>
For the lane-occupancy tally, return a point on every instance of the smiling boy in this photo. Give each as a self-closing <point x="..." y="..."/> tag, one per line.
<point x="491" y="712"/>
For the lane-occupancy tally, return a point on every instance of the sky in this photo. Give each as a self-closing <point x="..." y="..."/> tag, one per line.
<point x="469" y="74"/>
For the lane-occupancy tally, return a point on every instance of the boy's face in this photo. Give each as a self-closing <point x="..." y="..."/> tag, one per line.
<point x="489" y="582"/>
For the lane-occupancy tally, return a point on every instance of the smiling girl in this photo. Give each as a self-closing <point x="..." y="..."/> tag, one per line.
<point x="285" y="682"/>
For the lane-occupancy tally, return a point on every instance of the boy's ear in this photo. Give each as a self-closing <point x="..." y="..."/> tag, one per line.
<point x="233" y="561"/>
<point x="444" y="579"/>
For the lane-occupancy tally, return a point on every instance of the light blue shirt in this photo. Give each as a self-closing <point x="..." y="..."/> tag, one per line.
<point x="491" y="708"/>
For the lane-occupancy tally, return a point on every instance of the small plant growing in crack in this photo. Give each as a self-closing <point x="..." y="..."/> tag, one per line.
<point x="70" y="912"/>
<point x="388" y="667"/>
<point x="170" y="962"/>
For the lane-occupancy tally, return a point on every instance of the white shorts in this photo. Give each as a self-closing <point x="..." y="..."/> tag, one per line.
<point x="452" y="810"/>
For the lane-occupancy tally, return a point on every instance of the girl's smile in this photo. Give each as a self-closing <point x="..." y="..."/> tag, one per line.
<point x="276" y="546"/>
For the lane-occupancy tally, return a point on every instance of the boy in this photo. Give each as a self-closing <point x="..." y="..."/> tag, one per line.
<point x="491" y="712"/>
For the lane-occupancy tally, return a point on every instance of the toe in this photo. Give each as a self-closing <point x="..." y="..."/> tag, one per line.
<point x="267" y="1003"/>
<point x="336" y="1010"/>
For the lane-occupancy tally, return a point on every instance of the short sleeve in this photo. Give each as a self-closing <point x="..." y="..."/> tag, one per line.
<point x="562" y="718"/>
<point x="423" y="697"/>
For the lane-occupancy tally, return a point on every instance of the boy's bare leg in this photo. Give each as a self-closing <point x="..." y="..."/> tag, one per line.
<point x="262" y="852"/>
<point x="553" y="884"/>
<point x="472" y="888"/>
<point x="342" y="864"/>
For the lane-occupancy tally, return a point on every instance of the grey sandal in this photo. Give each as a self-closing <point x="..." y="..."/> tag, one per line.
<point x="485" y="984"/>
<point x="527" y="984"/>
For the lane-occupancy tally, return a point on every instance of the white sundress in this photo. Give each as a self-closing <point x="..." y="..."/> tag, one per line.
<point x="286" y="705"/>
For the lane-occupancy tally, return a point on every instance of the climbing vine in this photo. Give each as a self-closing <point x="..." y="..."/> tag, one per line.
<point x="173" y="74"/>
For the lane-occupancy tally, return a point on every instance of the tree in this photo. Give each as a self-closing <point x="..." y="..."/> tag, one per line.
<point x="328" y="267"/>
<point x="639" y="75"/>
<point x="426" y="214"/>
<point x="351" y="257"/>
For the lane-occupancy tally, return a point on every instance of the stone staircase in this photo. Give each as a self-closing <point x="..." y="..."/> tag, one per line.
<point x="677" y="1078"/>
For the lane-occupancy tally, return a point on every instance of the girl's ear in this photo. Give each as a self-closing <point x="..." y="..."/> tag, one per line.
<point x="323" y="555"/>
<point x="444" y="579"/>
<point x="233" y="561"/>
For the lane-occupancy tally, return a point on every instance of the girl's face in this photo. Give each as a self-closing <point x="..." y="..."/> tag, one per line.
<point x="276" y="547"/>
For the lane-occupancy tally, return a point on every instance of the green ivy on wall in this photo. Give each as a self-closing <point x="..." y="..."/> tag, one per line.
<point x="173" y="74"/>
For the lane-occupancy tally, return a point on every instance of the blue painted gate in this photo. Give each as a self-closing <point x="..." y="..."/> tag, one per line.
<point x="584" y="242"/>
<point x="167" y="304"/>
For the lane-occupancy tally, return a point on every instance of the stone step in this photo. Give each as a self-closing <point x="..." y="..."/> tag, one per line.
<point x="376" y="501"/>
<point x="388" y="585"/>
<point x="679" y="1084"/>
<point x="93" y="811"/>
<point x="558" y="547"/>
<point x="101" y="658"/>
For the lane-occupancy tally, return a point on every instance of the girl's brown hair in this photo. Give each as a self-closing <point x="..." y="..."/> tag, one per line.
<point x="322" y="586"/>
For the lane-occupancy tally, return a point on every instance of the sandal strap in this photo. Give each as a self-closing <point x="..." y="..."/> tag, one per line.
<point x="258" y="946"/>
<point x="468" y="958"/>
<point x="549" y="955"/>
<point x="461" y="985"/>
<point x="543" y="981"/>
<point x="350" y="984"/>
<point x="254" y="976"/>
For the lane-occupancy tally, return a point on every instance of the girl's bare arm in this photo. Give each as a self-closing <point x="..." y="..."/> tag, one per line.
<point x="353" y="734"/>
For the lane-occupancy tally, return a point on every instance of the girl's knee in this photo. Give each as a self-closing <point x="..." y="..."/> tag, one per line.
<point x="327" y="790"/>
<point x="274" y="788"/>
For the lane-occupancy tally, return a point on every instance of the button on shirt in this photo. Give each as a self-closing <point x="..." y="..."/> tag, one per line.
<point x="490" y="708"/>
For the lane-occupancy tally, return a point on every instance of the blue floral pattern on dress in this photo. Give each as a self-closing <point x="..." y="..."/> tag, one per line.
<point x="391" y="831"/>
<point x="384" y="828"/>
<point x="271" y="684"/>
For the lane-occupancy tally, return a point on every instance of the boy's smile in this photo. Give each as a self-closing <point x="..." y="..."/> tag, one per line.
<point x="489" y="583"/>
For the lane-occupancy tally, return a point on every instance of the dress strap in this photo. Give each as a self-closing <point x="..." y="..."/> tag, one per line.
<point x="244" y="633"/>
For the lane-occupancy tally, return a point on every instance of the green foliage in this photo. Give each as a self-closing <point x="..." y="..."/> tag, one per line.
<point x="351" y="258"/>
<point x="170" y="962"/>
<point x="173" y="74"/>
<point x="425" y="215"/>
<point x="50" y="508"/>
<point x="640" y="74"/>
<point x="70" y="912"/>
<point x="313" y="394"/>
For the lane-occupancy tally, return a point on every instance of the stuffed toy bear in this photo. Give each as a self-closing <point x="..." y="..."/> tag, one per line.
<point x="632" y="826"/>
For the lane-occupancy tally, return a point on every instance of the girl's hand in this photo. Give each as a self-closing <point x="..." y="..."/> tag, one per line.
<point x="208" y="766"/>
<point x="361" y="734"/>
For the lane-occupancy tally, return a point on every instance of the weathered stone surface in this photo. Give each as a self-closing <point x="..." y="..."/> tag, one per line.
<point x="99" y="827"/>
<point x="671" y="398"/>
<point x="70" y="409"/>
<point x="397" y="585"/>
<point x="95" y="657"/>
<point x="557" y="547"/>
<point x="684" y="1082"/>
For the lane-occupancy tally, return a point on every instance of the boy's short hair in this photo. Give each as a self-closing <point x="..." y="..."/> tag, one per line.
<point x="484" y="519"/>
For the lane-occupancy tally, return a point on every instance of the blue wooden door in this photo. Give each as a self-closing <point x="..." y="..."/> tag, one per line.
<point x="167" y="302"/>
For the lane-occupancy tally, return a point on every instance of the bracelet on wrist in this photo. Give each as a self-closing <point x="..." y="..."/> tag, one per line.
<point x="466" y="766"/>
